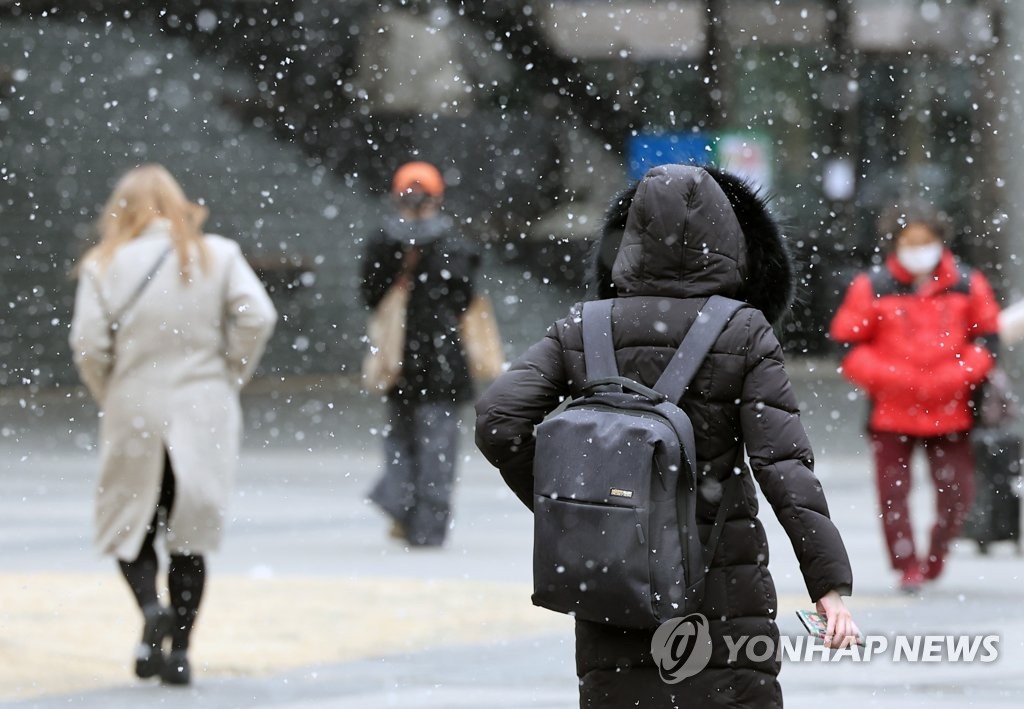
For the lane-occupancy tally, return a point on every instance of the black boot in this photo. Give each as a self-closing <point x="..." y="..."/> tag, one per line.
<point x="186" y="579"/>
<point x="176" y="669"/>
<point x="156" y="625"/>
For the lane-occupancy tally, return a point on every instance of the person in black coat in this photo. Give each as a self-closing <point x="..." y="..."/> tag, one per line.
<point x="688" y="233"/>
<point x="419" y="247"/>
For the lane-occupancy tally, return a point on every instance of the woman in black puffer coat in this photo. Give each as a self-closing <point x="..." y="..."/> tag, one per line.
<point x="688" y="233"/>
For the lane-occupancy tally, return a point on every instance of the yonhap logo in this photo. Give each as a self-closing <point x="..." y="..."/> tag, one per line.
<point x="681" y="647"/>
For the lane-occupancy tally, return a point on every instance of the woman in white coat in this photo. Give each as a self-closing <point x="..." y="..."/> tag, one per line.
<point x="168" y="324"/>
<point x="1011" y="324"/>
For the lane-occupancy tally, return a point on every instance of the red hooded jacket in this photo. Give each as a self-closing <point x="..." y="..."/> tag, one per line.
<point x="918" y="351"/>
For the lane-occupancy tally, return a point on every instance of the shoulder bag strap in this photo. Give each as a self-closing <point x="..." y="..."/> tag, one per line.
<point x="115" y="321"/>
<point x="410" y="262"/>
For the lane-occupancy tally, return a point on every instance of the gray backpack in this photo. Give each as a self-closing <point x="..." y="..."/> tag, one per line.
<point x="615" y="487"/>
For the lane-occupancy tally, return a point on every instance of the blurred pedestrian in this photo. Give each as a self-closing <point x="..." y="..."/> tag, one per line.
<point x="1011" y="324"/>
<point x="688" y="233"/>
<point x="168" y="324"/>
<point x="420" y="249"/>
<point x="920" y="329"/>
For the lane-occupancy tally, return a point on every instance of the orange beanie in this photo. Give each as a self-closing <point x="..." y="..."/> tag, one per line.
<point x="420" y="176"/>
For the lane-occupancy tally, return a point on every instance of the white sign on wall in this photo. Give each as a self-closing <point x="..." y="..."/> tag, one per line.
<point x="748" y="155"/>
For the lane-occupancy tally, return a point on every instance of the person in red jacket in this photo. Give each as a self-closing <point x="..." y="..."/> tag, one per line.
<point x="921" y="331"/>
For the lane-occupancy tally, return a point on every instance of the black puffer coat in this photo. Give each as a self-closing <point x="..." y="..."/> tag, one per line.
<point x="434" y="365"/>
<point x="683" y="242"/>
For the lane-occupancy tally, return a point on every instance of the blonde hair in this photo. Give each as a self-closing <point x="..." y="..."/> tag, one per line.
<point x="143" y="194"/>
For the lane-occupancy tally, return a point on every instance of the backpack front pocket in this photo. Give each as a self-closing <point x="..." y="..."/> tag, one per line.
<point x="591" y="560"/>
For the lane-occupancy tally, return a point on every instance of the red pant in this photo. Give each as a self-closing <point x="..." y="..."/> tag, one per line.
<point x="952" y="470"/>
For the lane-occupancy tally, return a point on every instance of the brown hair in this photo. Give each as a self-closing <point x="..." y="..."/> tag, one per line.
<point x="143" y="194"/>
<point x="899" y="216"/>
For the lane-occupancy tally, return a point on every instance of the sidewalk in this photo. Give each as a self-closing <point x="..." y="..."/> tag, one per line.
<point x="312" y="606"/>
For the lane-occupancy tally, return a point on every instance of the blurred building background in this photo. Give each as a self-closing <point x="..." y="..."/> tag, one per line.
<point x="287" y="118"/>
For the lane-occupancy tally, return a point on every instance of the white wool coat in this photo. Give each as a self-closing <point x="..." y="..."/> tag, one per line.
<point x="1011" y="324"/>
<point x="168" y="379"/>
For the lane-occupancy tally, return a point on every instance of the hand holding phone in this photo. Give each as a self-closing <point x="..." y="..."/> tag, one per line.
<point x="817" y="625"/>
<point x="839" y="630"/>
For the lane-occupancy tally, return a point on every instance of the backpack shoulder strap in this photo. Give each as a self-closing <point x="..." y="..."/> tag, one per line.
<point x="598" y="349"/>
<point x="884" y="283"/>
<point x="695" y="346"/>
<point x="965" y="278"/>
<point x="673" y="382"/>
<point x="729" y="499"/>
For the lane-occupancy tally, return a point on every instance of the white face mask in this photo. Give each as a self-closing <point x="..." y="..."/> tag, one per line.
<point x="920" y="260"/>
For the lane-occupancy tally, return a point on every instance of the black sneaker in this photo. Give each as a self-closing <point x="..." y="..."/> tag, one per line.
<point x="176" y="669"/>
<point x="149" y="655"/>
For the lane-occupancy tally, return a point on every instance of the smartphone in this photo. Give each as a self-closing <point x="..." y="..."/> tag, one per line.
<point x="817" y="624"/>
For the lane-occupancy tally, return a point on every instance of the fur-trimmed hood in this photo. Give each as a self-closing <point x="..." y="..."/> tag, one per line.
<point x="685" y="231"/>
